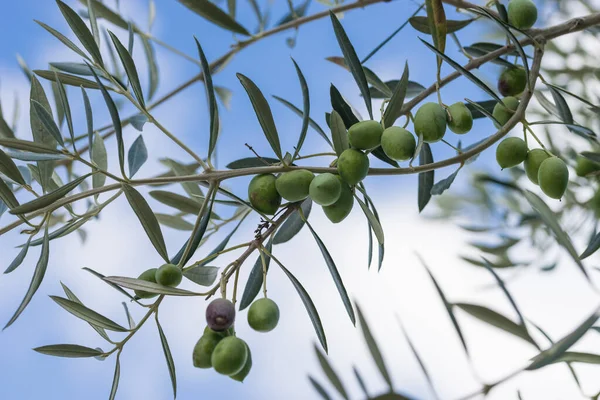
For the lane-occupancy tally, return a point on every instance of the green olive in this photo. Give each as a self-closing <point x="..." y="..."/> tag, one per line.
<point x="339" y="210"/>
<point x="353" y="166"/>
<point x="204" y="348"/>
<point x="553" y="177"/>
<point x="532" y="163"/>
<point x="461" y="118"/>
<point x="149" y="276"/>
<point x="325" y="189"/>
<point x="505" y="110"/>
<point x="511" y="152"/>
<point x="398" y="143"/>
<point x="522" y="14"/>
<point x="263" y="315"/>
<point x="430" y="122"/>
<point x="229" y="356"/>
<point x="512" y="81"/>
<point x="169" y="275"/>
<point x="585" y="166"/>
<point x="263" y="194"/>
<point x="365" y="135"/>
<point x="293" y="185"/>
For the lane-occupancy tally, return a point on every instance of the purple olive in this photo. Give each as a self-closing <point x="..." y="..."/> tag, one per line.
<point x="220" y="314"/>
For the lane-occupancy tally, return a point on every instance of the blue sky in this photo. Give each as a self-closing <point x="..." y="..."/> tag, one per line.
<point x="116" y="244"/>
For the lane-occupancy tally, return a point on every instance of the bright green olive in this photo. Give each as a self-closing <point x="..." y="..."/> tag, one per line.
<point x="169" y="275"/>
<point x="353" y="166"/>
<point x="510" y="152"/>
<point x="149" y="276"/>
<point x="365" y="135"/>
<point x="522" y="14"/>
<point x="505" y="110"/>
<point x="585" y="166"/>
<point x="204" y="348"/>
<point x="532" y="163"/>
<point x="512" y="81"/>
<point x="263" y="315"/>
<point x="325" y="189"/>
<point x="293" y="185"/>
<point x="430" y="121"/>
<point x="263" y="194"/>
<point x="229" y="356"/>
<point x="461" y="118"/>
<point x="339" y="210"/>
<point x="241" y="376"/>
<point x="553" y="177"/>
<point x="398" y="143"/>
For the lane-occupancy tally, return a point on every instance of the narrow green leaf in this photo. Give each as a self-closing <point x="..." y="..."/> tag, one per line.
<point x="338" y="133"/>
<point x="375" y="225"/>
<point x="213" y="109"/>
<point x="7" y="196"/>
<point x="361" y="381"/>
<point x="577" y="357"/>
<point x="352" y="61"/>
<point x="36" y="280"/>
<point x="81" y="31"/>
<point x="463" y="71"/>
<point x="138" y="121"/>
<point x="93" y="22"/>
<point x="557" y="350"/>
<point x="330" y="373"/>
<point x="305" y="112"/>
<point x="214" y="14"/>
<point x="394" y="107"/>
<point x="64" y="230"/>
<point x="320" y="389"/>
<point x="421" y="24"/>
<point x="444" y="184"/>
<point x="89" y="118"/>
<point x="374" y="349"/>
<point x="426" y="179"/>
<point x="64" y="101"/>
<point x="116" y="120"/>
<point x="592" y="247"/>
<point x="137" y="155"/>
<point x="48" y="124"/>
<point x="447" y="305"/>
<point x="201" y="275"/>
<point x="100" y="158"/>
<point x="496" y="319"/>
<point x="152" y="62"/>
<point x="147" y="219"/>
<point x="88" y="315"/>
<point x="182" y="203"/>
<point x="168" y="356"/>
<point x="19" y="258"/>
<point x="551" y="222"/>
<point x="48" y="199"/>
<point x="561" y="104"/>
<point x="255" y="279"/>
<point x="342" y="107"/>
<point x="437" y="26"/>
<point x="412" y="89"/>
<point x="294" y="224"/>
<point x="9" y="168"/>
<point x="102" y="11"/>
<point x="263" y="112"/>
<point x="311" y="122"/>
<point x="68" y="350"/>
<point x="116" y="378"/>
<point x="66" y="41"/>
<point x="114" y="286"/>
<point x="249" y="162"/>
<point x="26" y="145"/>
<point x="130" y="69"/>
<point x="308" y="304"/>
<point x="67" y="79"/>
<point x="337" y="279"/>
<point x="371" y="76"/>
<point x="483" y="109"/>
<point x="138" y="284"/>
<point x="506" y="292"/>
<point x="173" y="221"/>
<point x="74" y="298"/>
<point x="27" y="156"/>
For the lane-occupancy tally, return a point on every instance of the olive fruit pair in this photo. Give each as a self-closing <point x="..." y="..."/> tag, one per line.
<point x="228" y="355"/>
<point x="431" y="120"/>
<point x="166" y="275"/>
<point x="522" y="14"/>
<point x="263" y="194"/>
<point x="263" y="315"/>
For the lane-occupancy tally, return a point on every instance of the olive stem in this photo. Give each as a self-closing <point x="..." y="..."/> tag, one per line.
<point x="316" y="155"/>
<point x="528" y="128"/>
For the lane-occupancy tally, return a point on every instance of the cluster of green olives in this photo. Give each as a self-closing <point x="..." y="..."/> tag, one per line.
<point x="335" y="192"/>
<point x="166" y="275"/>
<point x="220" y="348"/>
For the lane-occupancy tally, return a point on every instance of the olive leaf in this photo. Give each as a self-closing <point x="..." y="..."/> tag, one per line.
<point x="320" y="389"/>
<point x="373" y="221"/>
<point x="48" y="199"/>
<point x="592" y="247"/>
<point x="116" y="378"/>
<point x="88" y="315"/>
<point x="338" y="133"/>
<point x="66" y="41"/>
<point x="212" y="102"/>
<point x="421" y="24"/>
<point x="374" y="348"/>
<point x="168" y="356"/>
<point x="9" y="168"/>
<point x="438" y="28"/>
<point x="18" y="260"/>
<point x="352" y="61"/>
<point x="426" y="179"/>
<point x="214" y="14"/>
<point x="394" y="108"/>
<point x="68" y="350"/>
<point x="64" y="101"/>
<point x="36" y="280"/>
<point x="114" y="286"/>
<point x="130" y="69"/>
<point x="255" y="279"/>
<point x="137" y="155"/>
<point x="305" y="112"/>
<point x="71" y="296"/>
<point x="263" y="112"/>
<point x="138" y="284"/>
<point x="311" y="122"/>
<point x="67" y="79"/>
<point x="81" y="31"/>
<point x="201" y="275"/>
<point x="330" y="373"/>
<point x="371" y="77"/>
<point x="444" y="184"/>
<point x="146" y="217"/>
